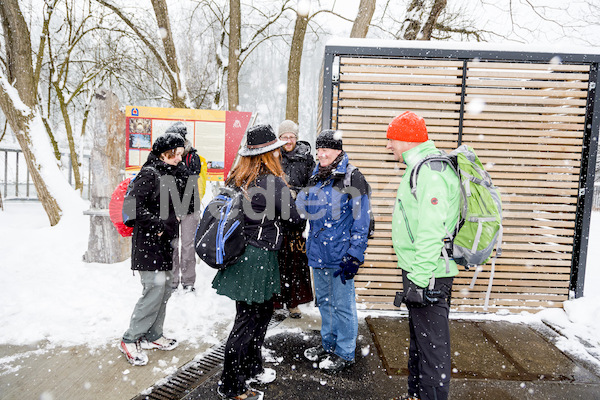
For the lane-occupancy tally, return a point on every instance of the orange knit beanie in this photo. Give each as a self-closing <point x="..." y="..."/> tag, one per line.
<point x="407" y="127"/>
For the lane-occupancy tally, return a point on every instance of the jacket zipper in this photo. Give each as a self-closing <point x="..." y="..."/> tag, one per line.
<point x="277" y="235"/>
<point x="260" y="229"/>
<point x="410" y="235"/>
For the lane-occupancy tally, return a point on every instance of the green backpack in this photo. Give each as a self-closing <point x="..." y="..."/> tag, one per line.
<point x="479" y="229"/>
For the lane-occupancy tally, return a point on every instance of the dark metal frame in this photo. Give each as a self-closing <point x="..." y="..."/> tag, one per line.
<point x="592" y="119"/>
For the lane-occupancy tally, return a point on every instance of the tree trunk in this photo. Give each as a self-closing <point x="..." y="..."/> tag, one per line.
<point x="366" y="9"/>
<point x="233" y="67"/>
<point x="69" y="131"/>
<point x="293" y="77"/>
<point x="421" y="18"/>
<point x="221" y="69"/>
<point x="20" y="122"/>
<point x="105" y="245"/>
<point x="162" y="18"/>
<point x="17" y="90"/>
<point x="436" y="10"/>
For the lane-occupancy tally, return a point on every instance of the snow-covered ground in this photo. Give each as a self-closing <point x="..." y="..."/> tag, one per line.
<point x="47" y="293"/>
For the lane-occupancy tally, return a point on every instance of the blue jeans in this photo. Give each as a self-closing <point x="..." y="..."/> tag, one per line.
<point x="337" y="305"/>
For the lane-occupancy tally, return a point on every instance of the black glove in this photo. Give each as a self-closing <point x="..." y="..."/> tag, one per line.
<point x="413" y="295"/>
<point x="348" y="268"/>
<point x="416" y="296"/>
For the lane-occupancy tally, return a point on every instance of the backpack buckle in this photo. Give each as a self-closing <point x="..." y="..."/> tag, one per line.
<point x="448" y="245"/>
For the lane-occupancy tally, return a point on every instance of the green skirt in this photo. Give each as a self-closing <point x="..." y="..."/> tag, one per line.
<point x="253" y="279"/>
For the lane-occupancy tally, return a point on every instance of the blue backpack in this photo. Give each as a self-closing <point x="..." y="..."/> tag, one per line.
<point x="220" y="239"/>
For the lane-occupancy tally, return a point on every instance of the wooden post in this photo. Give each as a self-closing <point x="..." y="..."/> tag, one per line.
<point x="107" y="165"/>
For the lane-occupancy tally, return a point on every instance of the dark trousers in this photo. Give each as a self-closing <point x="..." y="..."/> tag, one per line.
<point x="429" y="363"/>
<point x="243" y="359"/>
<point x="296" y="285"/>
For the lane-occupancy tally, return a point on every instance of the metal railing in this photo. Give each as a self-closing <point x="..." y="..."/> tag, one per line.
<point x="15" y="180"/>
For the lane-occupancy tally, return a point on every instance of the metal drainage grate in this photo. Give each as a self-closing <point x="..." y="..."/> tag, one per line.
<point x="194" y="373"/>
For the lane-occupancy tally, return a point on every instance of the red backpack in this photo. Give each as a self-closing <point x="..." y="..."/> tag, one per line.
<point x="115" y="208"/>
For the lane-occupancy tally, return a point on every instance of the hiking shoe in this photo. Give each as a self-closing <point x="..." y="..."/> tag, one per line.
<point x="268" y="375"/>
<point x="249" y="394"/>
<point x="315" y="353"/>
<point x="406" y="397"/>
<point x="162" y="343"/>
<point x="133" y="353"/>
<point x="334" y="363"/>
<point x="295" y="312"/>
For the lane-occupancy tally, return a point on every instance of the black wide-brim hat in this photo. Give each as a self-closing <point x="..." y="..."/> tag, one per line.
<point x="260" y="139"/>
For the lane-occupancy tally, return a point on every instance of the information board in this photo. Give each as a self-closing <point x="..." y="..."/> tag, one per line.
<point x="216" y="135"/>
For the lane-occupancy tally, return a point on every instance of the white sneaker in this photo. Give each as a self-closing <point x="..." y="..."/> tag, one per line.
<point x="133" y="352"/>
<point x="189" y="289"/>
<point x="162" y="343"/>
<point x="267" y="376"/>
<point x="249" y="394"/>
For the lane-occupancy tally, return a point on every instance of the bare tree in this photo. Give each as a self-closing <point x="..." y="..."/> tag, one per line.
<point x="241" y="37"/>
<point x="427" y="20"/>
<point x="366" y="9"/>
<point x="19" y="103"/>
<point x="295" y="60"/>
<point x="68" y="77"/>
<point x="168" y="63"/>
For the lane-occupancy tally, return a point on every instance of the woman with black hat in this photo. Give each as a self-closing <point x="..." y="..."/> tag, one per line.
<point x="254" y="280"/>
<point x="151" y="250"/>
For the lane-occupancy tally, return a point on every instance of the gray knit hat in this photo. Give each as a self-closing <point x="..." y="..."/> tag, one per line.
<point x="287" y="126"/>
<point x="178" y="127"/>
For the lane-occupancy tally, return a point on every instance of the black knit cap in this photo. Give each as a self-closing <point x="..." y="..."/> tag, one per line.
<point x="166" y="142"/>
<point x="328" y="139"/>
<point x="178" y="127"/>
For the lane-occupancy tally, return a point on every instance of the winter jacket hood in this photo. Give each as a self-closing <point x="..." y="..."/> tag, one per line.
<point x="298" y="165"/>
<point x="302" y="151"/>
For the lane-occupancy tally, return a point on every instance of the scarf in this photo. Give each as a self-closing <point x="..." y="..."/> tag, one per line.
<point x="324" y="172"/>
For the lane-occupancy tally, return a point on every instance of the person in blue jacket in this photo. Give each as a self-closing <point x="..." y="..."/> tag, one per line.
<point x="336" y="203"/>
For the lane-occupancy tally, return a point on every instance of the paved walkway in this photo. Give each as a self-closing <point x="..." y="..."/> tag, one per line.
<point x="77" y="373"/>
<point x="381" y="353"/>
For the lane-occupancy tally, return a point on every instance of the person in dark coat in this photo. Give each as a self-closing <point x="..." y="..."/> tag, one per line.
<point x="298" y="163"/>
<point x="152" y="251"/>
<point x="253" y="281"/>
<point x="184" y="254"/>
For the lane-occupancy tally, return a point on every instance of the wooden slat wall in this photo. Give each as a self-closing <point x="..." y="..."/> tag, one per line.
<point x="525" y="121"/>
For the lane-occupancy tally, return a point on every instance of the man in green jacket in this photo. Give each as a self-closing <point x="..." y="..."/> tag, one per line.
<point x="420" y="222"/>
